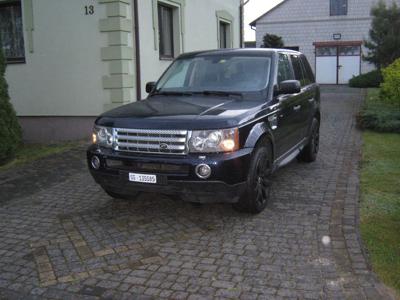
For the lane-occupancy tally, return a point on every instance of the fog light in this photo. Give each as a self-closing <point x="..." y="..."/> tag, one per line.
<point x="203" y="171"/>
<point x="95" y="162"/>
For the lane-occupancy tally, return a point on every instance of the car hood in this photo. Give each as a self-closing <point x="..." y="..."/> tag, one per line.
<point x="182" y="112"/>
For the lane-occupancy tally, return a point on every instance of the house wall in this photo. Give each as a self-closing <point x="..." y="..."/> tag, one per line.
<point x="78" y="66"/>
<point x="302" y="23"/>
<point x="63" y="74"/>
<point x="200" y="33"/>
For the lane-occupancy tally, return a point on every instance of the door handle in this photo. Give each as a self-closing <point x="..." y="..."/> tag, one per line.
<point x="297" y="107"/>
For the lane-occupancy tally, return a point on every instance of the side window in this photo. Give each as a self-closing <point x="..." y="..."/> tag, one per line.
<point x="307" y="70"/>
<point x="298" y="70"/>
<point x="284" y="70"/>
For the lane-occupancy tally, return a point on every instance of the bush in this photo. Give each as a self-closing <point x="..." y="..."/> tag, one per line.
<point x="368" y="80"/>
<point x="390" y="89"/>
<point x="378" y="115"/>
<point x="381" y="121"/>
<point x="10" y="131"/>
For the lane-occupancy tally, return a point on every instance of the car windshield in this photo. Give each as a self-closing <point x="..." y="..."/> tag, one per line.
<point x="217" y="74"/>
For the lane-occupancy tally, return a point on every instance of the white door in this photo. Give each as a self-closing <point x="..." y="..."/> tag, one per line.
<point x="326" y="65"/>
<point x="326" y="69"/>
<point x="337" y="64"/>
<point x="349" y="63"/>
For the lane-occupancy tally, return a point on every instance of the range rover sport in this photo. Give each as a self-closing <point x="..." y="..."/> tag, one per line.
<point x="214" y="128"/>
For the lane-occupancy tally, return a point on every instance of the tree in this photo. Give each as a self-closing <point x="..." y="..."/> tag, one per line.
<point x="384" y="35"/>
<point x="272" y="41"/>
<point x="10" y="131"/>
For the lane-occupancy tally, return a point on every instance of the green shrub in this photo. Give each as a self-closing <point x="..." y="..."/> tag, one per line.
<point x="367" y="80"/>
<point x="390" y="88"/>
<point x="381" y="121"/>
<point x="10" y="131"/>
<point x="379" y="115"/>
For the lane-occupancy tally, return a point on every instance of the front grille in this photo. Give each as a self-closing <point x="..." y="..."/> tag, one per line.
<point x="151" y="141"/>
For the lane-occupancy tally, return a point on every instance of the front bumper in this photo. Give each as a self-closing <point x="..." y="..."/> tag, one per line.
<point x="175" y="174"/>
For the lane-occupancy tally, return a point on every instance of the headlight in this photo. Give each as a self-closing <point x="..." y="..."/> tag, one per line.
<point x="208" y="141"/>
<point x="103" y="136"/>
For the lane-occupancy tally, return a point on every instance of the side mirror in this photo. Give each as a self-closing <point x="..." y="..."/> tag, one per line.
<point x="150" y="86"/>
<point x="289" y="87"/>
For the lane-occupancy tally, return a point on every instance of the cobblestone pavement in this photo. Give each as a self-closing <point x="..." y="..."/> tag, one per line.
<point x="61" y="237"/>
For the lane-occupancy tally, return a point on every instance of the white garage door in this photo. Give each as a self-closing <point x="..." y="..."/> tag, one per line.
<point x="337" y="64"/>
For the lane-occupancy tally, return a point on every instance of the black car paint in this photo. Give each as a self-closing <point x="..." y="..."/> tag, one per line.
<point x="250" y="113"/>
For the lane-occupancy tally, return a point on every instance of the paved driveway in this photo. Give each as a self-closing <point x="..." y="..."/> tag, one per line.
<point x="61" y="237"/>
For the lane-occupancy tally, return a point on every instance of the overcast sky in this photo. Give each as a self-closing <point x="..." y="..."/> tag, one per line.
<point x="252" y="11"/>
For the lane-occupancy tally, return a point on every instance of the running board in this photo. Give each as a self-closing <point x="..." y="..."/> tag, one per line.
<point x="289" y="158"/>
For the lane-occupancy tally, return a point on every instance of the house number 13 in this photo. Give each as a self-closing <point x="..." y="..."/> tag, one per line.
<point x="89" y="10"/>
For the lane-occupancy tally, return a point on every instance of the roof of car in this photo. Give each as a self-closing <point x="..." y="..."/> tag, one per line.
<point x="239" y="51"/>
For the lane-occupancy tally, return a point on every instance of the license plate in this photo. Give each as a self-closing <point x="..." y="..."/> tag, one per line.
<point x="142" y="178"/>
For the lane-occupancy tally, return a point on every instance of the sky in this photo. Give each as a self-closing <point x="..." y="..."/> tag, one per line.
<point x="252" y="11"/>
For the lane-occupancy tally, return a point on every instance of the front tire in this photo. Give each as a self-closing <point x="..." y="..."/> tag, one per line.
<point x="258" y="189"/>
<point x="310" y="151"/>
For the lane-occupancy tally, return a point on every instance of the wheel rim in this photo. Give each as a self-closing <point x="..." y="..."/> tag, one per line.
<point x="316" y="140"/>
<point x="262" y="181"/>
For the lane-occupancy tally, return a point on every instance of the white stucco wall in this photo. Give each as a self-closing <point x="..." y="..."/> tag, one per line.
<point x="302" y="23"/>
<point x="64" y="74"/>
<point x="200" y="32"/>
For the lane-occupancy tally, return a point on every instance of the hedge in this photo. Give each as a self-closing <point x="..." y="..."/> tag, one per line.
<point x="367" y="80"/>
<point x="10" y="130"/>
<point x="379" y="115"/>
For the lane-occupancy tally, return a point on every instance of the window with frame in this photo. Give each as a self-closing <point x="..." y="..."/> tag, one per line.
<point x="309" y="74"/>
<point x="11" y="32"/>
<point x="224" y="32"/>
<point x="298" y="70"/>
<point x="284" y="69"/>
<point x="338" y="7"/>
<point x="166" y="31"/>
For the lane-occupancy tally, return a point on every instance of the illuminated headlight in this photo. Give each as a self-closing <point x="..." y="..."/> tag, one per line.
<point x="209" y="141"/>
<point x="103" y="136"/>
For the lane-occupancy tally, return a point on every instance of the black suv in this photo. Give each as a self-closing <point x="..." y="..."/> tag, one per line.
<point x="214" y="128"/>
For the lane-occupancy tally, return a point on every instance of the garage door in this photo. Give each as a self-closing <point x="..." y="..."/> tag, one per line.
<point x="337" y="64"/>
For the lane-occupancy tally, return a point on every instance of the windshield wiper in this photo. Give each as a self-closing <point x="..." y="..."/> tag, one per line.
<point x="171" y="93"/>
<point x="220" y="93"/>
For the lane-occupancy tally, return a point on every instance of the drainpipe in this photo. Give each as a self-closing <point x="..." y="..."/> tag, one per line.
<point x="137" y="51"/>
<point x="241" y="20"/>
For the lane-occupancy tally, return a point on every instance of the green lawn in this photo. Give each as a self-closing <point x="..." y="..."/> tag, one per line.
<point x="380" y="204"/>
<point x="30" y="152"/>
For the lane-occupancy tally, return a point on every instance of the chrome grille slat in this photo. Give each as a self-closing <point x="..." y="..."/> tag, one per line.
<point x="149" y="146"/>
<point x="151" y="141"/>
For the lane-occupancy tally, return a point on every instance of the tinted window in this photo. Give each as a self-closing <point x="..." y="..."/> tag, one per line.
<point x="284" y="69"/>
<point x="217" y="73"/>
<point x="297" y="68"/>
<point x="307" y="70"/>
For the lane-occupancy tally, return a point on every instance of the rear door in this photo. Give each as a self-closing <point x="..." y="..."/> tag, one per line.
<point x="300" y="105"/>
<point x="310" y="93"/>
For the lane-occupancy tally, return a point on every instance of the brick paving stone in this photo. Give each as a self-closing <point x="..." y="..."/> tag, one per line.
<point x="62" y="237"/>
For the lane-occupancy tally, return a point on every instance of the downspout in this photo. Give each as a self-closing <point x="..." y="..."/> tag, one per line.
<point x="137" y="52"/>
<point x="241" y="20"/>
<point x="241" y="24"/>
